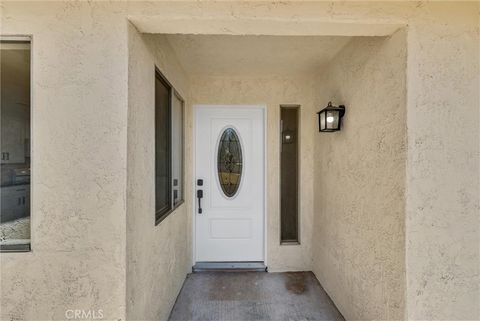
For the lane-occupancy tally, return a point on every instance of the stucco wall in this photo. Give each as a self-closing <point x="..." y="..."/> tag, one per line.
<point x="157" y="256"/>
<point x="80" y="142"/>
<point x="442" y="174"/>
<point x="79" y="132"/>
<point x="359" y="220"/>
<point x="273" y="92"/>
<point x="443" y="167"/>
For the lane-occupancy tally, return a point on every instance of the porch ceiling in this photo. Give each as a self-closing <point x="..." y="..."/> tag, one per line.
<point x="227" y="55"/>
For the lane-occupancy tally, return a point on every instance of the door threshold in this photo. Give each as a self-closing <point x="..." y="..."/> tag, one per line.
<point x="230" y="267"/>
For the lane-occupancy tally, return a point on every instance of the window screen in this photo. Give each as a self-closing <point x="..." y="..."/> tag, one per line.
<point x="169" y="144"/>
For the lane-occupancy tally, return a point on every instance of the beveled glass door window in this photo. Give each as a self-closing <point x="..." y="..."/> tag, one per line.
<point x="229" y="162"/>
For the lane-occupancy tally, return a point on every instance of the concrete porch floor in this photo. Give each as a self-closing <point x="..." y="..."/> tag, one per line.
<point x="255" y="296"/>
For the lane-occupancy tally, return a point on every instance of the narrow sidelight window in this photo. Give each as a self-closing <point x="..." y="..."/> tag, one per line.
<point x="168" y="148"/>
<point x="15" y="144"/>
<point x="289" y="125"/>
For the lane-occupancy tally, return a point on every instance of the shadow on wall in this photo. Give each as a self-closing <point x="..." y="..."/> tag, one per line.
<point x="359" y="240"/>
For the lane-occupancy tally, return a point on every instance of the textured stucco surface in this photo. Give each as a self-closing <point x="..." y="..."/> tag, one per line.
<point x="359" y="223"/>
<point x="254" y="56"/>
<point x="443" y="167"/>
<point x="80" y="65"/>
<point x="157" y="256"/>
<point x="273" y="92"/>
<point x="79" y="131"/>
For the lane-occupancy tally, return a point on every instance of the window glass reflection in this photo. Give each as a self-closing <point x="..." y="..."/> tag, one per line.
<point x="15" y="145"/>
<point x="229" y="162"/>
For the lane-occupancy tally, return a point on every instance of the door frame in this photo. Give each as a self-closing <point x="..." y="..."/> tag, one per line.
<point x="263" y="108"/>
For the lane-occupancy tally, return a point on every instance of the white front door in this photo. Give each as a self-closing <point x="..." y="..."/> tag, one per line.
<point x="229" y="160"/>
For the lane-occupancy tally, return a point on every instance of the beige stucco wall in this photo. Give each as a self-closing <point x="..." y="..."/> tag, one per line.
<point x="359" y="220"/>
<point x="157" y="256"/>
<point x="273" y="92"/>
<point x="443" y="166"/>
<point x="79" y="157"/>
<point x="80" y="65"/>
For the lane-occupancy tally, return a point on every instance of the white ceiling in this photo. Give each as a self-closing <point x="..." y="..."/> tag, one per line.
<point x="221" y="55"/>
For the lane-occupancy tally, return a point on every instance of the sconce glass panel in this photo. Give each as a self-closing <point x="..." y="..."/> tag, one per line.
<point x="322" y="121"/>
<point x="332" y="119"/>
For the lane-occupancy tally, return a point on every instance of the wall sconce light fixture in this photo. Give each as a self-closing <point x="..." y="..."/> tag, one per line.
<point x="330" y="118"/>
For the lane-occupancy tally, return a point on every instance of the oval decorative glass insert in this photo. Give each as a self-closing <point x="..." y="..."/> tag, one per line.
<point x="229" y="162"/>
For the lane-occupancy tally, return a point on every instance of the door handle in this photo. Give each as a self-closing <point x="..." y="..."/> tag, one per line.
<point x="199" y="196"/>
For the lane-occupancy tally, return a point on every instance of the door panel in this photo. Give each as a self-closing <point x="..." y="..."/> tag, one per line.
<point x="231" y="225"/>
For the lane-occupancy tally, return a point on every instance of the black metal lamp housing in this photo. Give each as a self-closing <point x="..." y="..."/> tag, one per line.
<point x="330" y="118"/>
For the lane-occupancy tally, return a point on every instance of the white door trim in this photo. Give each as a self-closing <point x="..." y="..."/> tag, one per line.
<point x="264" y="110"/>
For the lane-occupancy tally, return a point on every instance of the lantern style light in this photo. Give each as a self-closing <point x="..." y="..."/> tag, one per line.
<point x="330" y="118"/>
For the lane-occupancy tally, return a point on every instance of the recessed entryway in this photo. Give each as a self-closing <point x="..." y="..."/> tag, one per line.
<point x="236" y="215"/>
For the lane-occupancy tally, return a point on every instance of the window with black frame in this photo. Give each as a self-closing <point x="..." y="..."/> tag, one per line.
<point x="289" y="175"/>
<point x="168" y="148"/>
<point x="15" y="143"/>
